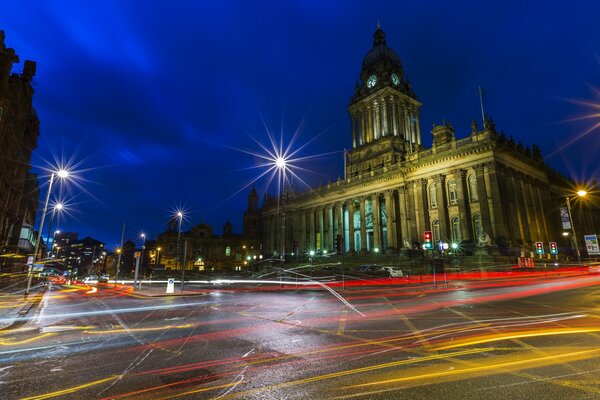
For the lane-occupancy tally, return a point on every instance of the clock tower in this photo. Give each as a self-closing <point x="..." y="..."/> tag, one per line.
<point x="384" y="112"/>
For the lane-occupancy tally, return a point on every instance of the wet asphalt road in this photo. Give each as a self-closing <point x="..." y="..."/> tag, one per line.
<point x="517" y="339"/>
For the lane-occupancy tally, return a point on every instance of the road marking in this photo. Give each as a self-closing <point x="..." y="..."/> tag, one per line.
<point x="342" y="326"/>
<point x="71" y="390"/>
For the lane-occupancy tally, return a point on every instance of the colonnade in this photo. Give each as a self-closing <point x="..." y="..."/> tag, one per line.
<point x="385" y="116"/>
<point x="459" y="205"/>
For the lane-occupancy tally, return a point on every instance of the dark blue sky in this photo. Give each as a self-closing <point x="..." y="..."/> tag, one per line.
<point x="149" y="95"/>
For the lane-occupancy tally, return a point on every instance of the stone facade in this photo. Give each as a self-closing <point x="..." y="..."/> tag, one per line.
<point x="207" y="251"/>
<point x="482" y="189"/>
<point x="19" y="130"/>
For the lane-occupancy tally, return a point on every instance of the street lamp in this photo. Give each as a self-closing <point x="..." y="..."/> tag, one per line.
<point x="580" y="193"/>
<point x="180" y="216"/>
<point x="63" y="174"/>
<point x="57" y="207"/>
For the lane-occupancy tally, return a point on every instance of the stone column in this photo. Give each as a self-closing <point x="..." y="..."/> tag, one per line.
<point x="464" y="211"/>
<point x="376" y="221"/>
<point x="374" y="122"/>
<point x="339" y="211"/>
<point x="523" y="209"/>
<point x="394" y="116"/>
<point x="353" y="122"/>
<point x="350" y="206"/>
<point x="422" y="216"/>
<point x="363" y="225"/>
<point x="440" y="185"/>
<point x="405" y="125"/>
<point x="329" y="226"/>
<point x="302" y="236"/>
<point x="483" y="201"/>
<point x="311" y="228"/>
<point x="403" y="216"/>
<point x="392" y="221"/>
<point x="384" y="128"/>
<point x="546" y="232"/>
<point x="319" y="228"/>
<point x="499" y="222"/>
<point x="535" y="213"/>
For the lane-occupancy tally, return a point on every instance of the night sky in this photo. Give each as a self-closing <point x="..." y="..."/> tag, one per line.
<point x="151" y="97"/>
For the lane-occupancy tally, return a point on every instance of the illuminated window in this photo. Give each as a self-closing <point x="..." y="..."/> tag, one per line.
<point x="456" y="235"/>
<point x="435" y="228"/>
<point x="227" y="251"/>
<point x="473" y="187"/>
<point x="433" y="195"/>
<point x="452" y="193"/>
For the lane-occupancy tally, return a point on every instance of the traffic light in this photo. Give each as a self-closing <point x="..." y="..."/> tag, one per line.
<point x="427" y="240"/>
<point x="539" y="248"/>
<point x="553" y="248"/>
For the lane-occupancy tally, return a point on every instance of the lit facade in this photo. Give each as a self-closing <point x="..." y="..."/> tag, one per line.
<point x="481" y="190"/>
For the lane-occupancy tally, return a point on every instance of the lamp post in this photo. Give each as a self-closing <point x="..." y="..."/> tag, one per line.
<point x="57" y="207"/>
<point x="143" y="236"/>
<point x="180" y="216"/>
<point x="63" y="174"/>
<point x="580" y="193"/>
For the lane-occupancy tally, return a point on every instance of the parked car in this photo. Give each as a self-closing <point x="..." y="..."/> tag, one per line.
<point x="369" y="268"/>
<point x="394" y="272"/>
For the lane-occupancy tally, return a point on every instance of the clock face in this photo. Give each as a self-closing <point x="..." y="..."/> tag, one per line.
<point x="395" y="79"/>
<point x="371" y="81"/>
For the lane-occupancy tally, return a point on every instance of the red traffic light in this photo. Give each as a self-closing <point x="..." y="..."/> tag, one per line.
<point x="428" y="240"/>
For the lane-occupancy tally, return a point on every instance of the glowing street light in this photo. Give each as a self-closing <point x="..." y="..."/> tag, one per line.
<point x="62" y="174"/>
<point x="58" y="207"/>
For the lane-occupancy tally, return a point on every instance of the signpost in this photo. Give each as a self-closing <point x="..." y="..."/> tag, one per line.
<point x="591" y="245"/>
<point x="138" y="256"/>
<point x="170" y="285"/>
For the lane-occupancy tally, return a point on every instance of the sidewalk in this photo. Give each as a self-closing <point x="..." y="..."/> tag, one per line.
<point x="14" y="306"/>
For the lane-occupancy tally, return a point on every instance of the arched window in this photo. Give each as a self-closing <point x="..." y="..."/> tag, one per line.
<point x="477" y="226"/>
<point x="435" y="228"/>
<point x="473" y="187"/>
<point x="433" y="195"/>
<point x="452" y="193"/>
<point x="456" y="234"/>
<point x="227" y="251"/>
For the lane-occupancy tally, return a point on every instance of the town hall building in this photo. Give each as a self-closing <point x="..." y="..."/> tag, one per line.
<point x="481" y="189"/>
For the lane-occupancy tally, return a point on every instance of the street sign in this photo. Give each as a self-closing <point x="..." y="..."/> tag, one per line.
<point x="591" y="245"/>
<point x="564" y="216"/>
<point x="137" y="254"/>
<point x="171" y="285"/>
<point x="30" y="260"/>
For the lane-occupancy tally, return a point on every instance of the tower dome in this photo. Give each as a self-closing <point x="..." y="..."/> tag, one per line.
<point x="381" y="57"/>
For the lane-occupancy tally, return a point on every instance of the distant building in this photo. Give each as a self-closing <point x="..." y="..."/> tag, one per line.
<point x="207" y="251"/>
<point x="482" y="190"/>
<point x="87" y="255"/>
<point x="19" y="130"/>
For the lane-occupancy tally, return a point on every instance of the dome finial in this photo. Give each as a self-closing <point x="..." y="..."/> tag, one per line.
<point x="378" y="36"/>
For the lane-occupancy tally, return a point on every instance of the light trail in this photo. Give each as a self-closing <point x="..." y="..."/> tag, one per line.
<point x="71" y="390"/>
<point x="497" y="367"/>
<point x="515" y="335"/>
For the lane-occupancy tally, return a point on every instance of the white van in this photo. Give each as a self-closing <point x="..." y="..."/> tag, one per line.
<point x="393" y="271"/>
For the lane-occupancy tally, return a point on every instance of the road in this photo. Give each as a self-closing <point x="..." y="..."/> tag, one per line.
<point x="520" y="338"/>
